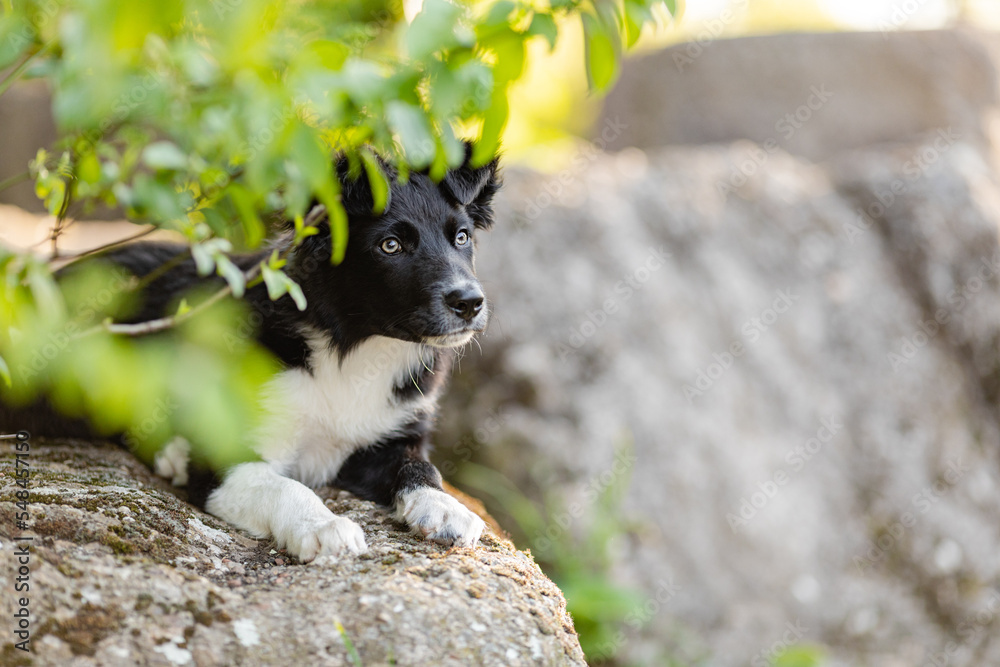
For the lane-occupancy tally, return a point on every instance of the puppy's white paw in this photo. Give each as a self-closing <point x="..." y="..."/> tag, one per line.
<point x="334" y="536"/>
<point x="171" y="462"/>
<point x="439" y="517"/>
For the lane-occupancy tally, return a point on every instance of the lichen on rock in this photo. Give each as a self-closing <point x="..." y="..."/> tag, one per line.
<point x="123" y="572"/>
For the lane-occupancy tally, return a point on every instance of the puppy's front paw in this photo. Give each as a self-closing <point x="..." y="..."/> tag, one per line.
<point x="171" y="462"/>
<point x="334" y="536"/>
<point x="439" y="517"/>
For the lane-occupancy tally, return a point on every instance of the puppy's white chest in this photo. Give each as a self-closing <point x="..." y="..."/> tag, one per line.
<point x="318" y="419"/>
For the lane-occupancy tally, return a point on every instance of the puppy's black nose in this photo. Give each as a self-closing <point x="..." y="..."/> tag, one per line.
<point x="465" y="302"/>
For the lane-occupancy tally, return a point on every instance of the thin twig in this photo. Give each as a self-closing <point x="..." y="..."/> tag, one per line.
<point x="100" y="248"/>
<point x="164" y="323"/>
<point x="58" y="229"/>
<point x="19" y="70"/>
<point x="14" y="180"/>
<point x="171" y="263"/>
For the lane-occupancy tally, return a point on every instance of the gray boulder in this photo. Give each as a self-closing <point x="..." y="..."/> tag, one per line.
<point x="121" y="572"/>
<point x="809" y="94"/>
<point x="804" y="359"/>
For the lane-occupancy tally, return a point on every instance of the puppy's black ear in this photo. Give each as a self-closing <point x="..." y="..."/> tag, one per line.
<point x="355" y="188"/>
<point x="473" y="188"/>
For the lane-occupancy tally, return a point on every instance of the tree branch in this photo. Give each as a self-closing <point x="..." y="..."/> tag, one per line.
<point x="60" y="218"/>
<point x="112" y="244"/>
<point x="19" y="70"/>
<point x="14" y="180"/>
<point x="164" y="323"/>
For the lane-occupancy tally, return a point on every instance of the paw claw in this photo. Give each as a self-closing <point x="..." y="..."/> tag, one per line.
<point x="336" y="536"/>
<point x="440" y="518"/>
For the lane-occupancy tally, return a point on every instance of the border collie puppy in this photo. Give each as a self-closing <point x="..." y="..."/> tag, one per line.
<point x="363" y="365"/>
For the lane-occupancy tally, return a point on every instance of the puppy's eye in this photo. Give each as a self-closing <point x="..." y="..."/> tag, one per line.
<point x="391" y="246"/>
<point x="462" y="238"/>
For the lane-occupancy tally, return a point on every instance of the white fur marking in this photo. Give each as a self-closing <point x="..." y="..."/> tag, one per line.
<point x="450" y="340"/>
<point x="316" y="420"/>
<point x="439" y="517"/>
<point x="258" y="499"/>
<point x="171" y="462"/>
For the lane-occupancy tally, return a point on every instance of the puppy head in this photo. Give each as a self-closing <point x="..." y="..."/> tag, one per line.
<point x="409" y="272"/>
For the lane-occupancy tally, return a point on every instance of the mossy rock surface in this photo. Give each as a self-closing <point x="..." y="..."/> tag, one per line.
<point x="124" y="572"/>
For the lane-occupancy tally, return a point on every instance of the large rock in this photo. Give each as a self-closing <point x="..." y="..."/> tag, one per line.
<point x="810" y="94"/>
<point x="123" y="573"/>
<point x="815" y="457"/>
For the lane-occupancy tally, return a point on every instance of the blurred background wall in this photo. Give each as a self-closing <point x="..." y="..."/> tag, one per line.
<point x="767" y="314"/>
<point x="741" y="384"/>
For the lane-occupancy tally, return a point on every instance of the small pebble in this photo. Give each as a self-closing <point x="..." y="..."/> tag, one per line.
<point x="279" y="561"/>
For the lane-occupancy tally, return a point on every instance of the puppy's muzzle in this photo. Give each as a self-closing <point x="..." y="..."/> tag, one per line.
<point x="465" y="301"/>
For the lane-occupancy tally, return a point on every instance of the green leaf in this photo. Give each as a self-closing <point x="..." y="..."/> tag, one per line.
<point x="16" y="34"/>
<point x="602" y="54"/>
<point x="410" y="123"/>
<point x="203" y="261"/>
<point x="158" y="200"/>
<point x="88" y="168"/>
<point x="207" y="252"/>
<point x="225" y="268"/>
<point x="509" y="47"/>
<point x="48" y="298"/>
<point x="636" y="16"/>
<point x="377" y="181"/>
<point x="500" y="12"/>
<point x="545" y="25"/>
<point x="352" y="653"/>
<point x="803" y="655"/>
<point x="253" y="228"/>
<point x="310" y="156"/>
<point x="5" y="372"/>
<point x="302" y="231"/>
<point x="331" y="55"/>
<point x="183" y="308"/>
<point x="276" y="287"/>
<point x="493" y="124"/>
<point x="164" y="155"/>
<point x="279" y="284"/>
<point x="295" y="292"/>
<point x="433" y="29"/>
<point x="275" y="261"/>
<point x="337" y="217"/>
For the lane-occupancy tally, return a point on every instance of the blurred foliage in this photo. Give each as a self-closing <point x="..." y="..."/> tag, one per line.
<point x="578" y="544"/>
<point x="208" y="117"/>
<point x="576" y="549"/>
<point x="806" y="655"/>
